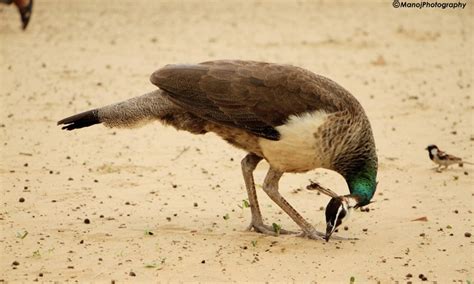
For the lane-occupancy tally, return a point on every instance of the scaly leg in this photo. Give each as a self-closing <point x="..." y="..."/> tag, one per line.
<point x="270" y="186"/>
<point x="249" y="163"/>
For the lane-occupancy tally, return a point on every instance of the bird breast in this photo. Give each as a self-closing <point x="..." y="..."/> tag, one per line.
<point x="298" y="149"/>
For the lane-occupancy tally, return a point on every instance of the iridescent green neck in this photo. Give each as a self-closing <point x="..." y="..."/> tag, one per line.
<point x="363" y="183"/>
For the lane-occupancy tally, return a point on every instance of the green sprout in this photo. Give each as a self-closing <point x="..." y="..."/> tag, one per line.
<point x="276" y="228"/>
<point x="22" y="235"/>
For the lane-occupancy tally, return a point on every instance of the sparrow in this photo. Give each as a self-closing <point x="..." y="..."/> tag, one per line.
<point x="443" y="159"/>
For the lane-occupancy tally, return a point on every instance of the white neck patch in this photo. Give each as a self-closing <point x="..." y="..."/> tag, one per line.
<point x="297" y="149"/>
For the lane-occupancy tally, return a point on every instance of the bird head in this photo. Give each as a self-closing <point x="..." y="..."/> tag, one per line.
<point x="337" y="211"/>
<point x="432" y="150"/>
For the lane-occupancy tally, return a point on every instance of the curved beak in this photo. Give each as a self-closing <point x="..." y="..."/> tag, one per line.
<point x="330" y="228"/>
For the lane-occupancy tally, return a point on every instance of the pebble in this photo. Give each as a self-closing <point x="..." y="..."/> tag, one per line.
<point x="467" y="234"/>
<point x="87" y="221"/>
<point x="132" y="274"/>
<point x="21" y="199"/>
<point x="15" y="263"/>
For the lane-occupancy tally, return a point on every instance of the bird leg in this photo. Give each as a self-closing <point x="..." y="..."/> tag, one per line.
<point x="270" y="186"/>
<point x="249" y="163"/>
<point x="440" y="168"/>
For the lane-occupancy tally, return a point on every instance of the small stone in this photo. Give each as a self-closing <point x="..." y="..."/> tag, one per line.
<point x="21" y="199"/>
<point x="409" y="275"/>
<point x="467" y="234"/>
<point x="15" y="263"/>
<point x="346" y="228"/>
<point x="132" y="274"/>
<point x="195" y="204"/>
<point x="365" y="229"/>
<point x="203" y="261"/>
<point x="87" y="221"/>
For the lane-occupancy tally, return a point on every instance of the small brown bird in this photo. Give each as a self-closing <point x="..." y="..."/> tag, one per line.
<point x="294" y="119"/>
<point x="443" y="159"/>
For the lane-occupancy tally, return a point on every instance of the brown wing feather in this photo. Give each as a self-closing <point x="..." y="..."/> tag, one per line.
<point x="254" y="96"/>
<point x="445" y="156"/>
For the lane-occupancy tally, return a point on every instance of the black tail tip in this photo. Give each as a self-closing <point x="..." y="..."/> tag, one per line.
<point x="83" y="119"/>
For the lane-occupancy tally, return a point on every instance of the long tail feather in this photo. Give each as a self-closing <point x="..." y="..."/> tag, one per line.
<point x="133" y="112"/>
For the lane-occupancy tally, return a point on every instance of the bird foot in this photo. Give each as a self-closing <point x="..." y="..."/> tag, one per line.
<point x="337" y="238"/>
<point x="269" y="230"/>
<point x="321" y="236"/>
<point x="315" y="235"/>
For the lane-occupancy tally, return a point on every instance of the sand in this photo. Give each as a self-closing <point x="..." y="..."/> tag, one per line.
<point x="164" y="205"/>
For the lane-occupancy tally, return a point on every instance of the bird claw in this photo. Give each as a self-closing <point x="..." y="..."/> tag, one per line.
<point x="313" y="235"/>
<point x="268" y="230"/>
<point x="321" y="236"/>
<point x="337" y="238"/>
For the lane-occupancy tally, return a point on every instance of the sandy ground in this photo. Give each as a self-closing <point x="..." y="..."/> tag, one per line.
<point x="166" y="205"/>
